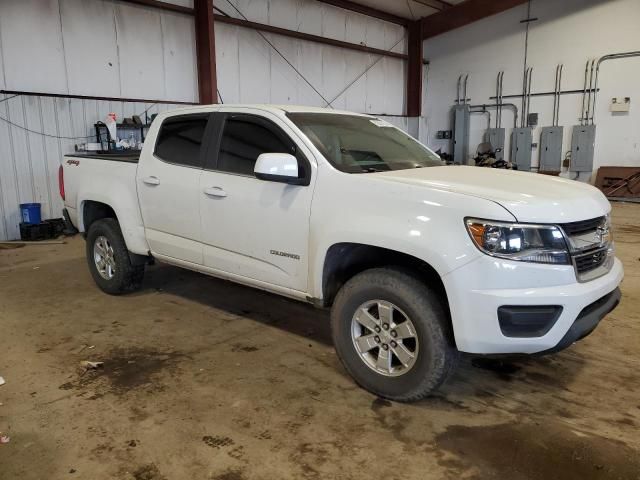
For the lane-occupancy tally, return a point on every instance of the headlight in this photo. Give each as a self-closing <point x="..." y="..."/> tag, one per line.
<point x="519" y="241"/>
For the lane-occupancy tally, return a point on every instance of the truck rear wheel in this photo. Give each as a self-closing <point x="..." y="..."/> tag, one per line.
<point x="390" y="332"/>
<point x="109" y="260"/>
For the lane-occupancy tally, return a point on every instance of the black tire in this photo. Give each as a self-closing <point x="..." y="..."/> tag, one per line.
<point x="437" y="355"/>
<point x="127" y="276"/>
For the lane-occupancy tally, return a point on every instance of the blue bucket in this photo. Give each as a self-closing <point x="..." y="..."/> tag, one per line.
<point x="30" y="213"/>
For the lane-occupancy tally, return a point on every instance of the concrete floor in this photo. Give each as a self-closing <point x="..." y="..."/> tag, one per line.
<point x="204" y="379"/>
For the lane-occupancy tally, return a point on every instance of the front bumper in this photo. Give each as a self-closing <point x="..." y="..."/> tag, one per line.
<point x="477" y="289"/>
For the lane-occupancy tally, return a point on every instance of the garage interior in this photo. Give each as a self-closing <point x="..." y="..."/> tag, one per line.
<point x="203" y="378"/>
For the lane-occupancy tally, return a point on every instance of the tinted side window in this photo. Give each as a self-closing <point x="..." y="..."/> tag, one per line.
<point x="180" y="139"/>
<point x="243" y="141"/>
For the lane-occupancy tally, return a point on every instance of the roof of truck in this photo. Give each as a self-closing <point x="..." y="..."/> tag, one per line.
<point x="272" y="108"/>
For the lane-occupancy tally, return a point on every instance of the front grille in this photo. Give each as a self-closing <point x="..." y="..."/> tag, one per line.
<point x="590" y="248"/>
<point x="588" y="261"/>
<point x="582" y="226"/>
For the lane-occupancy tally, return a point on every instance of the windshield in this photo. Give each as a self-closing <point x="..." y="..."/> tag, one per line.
<point x="356" y="144"/>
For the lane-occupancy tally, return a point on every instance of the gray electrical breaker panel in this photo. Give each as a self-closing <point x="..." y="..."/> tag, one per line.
<point x="495" y="136"/>
<point x="521" y="140"/>
<point x="583" y="140"/>
<point x="460" y="139"/>
<point x="551" y="149"/>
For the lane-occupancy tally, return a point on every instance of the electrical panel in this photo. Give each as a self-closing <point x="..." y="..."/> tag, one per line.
<point x="521" y="140"/>
<point x="583" y="141"/>
<point x="495" y="136"/>
<point x="461" y="116"/>
<point x="551" y="149"/>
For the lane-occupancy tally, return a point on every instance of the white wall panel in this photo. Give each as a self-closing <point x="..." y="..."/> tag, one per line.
<point x="180" y="66"/>
<point x="92" y="67"/>
<point x="97" y="47"/>
<point x="227" y="62"/>
<point x="254" y="60"/>
<point x="282" y="13"/>
<point x="32" y="41"/>
<point x="284" y="80"/>
<point x="140" y="48"/>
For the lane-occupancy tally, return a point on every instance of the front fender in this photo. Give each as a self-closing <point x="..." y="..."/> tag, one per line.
<point x="424" y="223"/>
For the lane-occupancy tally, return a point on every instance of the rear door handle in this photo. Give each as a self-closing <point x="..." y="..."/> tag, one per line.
<point x="151" y="181"/>
<point x="215" y="192"/>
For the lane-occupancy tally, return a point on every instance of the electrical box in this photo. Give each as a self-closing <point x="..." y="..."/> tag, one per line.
<point x="495" y="136"/>
<point x="532" y="119"/>
<point x="461" y="117"/>
<point x="583" y="141"/>
<point x="620" y="104"/>
<point x="551" y="149"/>
<point x="521" y="140"/>
<point x="444" y="134"/>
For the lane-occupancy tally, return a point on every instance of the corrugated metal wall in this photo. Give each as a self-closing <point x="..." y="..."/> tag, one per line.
<point x="29" y="161"/>
<point x="108" y="48"/>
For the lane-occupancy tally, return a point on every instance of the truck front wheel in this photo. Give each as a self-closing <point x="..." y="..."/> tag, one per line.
<point x="109" y="261"/>
<point x="390" y="332"/>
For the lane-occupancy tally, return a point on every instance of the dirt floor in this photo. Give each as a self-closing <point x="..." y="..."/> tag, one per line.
<point x="204" y="379"/>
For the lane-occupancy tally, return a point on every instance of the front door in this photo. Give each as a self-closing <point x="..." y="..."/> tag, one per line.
<point x="168" y="180"/>
<point x="254" y="228"/>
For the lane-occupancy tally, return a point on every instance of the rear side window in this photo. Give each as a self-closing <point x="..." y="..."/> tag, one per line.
<point x="180" y="140"/>
<point x="243" y="141"/>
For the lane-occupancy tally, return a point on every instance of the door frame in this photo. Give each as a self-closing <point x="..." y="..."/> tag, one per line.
<point x="219" y="120"/>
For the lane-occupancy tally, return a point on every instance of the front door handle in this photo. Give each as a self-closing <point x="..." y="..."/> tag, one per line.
<point x="215" y="192"/>
<point x="151" y="180"/>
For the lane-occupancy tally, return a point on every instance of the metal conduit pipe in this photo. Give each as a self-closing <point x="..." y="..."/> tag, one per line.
<point x="593" y="64"/>
<point x="530" y="81"/>
<point x="556" y="98"/>
<point x="584" y="92"/>
<point x="466" y="79"/>
<point x="500" y="106"/>
<point x="483" y="112"/>
<point x="612" y="56"/>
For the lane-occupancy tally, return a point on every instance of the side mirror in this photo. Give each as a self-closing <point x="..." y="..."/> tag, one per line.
<point x="277" y="167"/>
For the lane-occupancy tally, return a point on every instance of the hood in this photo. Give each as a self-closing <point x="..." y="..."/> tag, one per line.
<point x="530" y="197"/>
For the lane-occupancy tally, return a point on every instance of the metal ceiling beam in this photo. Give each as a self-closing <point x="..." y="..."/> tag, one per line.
<point x="369" y="11"/>
<point x="306" y="36"/>
<point x="206" y="52"/>
<point x="463" y="14"/>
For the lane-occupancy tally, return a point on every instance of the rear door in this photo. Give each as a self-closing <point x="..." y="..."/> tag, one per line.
<point x="254" y="228"/>
<point x="168" y="187"/>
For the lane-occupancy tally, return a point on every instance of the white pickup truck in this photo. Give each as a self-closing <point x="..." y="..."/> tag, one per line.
<point x="418" y="261"/>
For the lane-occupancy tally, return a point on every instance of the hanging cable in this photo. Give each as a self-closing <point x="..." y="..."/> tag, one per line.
<point x="35" y="132"/>
<point x="220" y="95"/>
<point x="279" y="53"/>
<point x="41" y="133"/>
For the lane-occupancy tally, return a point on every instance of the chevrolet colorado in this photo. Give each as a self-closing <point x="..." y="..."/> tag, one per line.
<point x="418" y="261"/>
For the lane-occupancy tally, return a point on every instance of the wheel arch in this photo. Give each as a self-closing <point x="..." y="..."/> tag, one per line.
<point x="95" y="207"/>
<point x="346" y="259"/>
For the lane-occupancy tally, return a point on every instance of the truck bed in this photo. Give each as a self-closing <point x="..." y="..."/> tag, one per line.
<point x="129" y="157"/>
